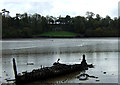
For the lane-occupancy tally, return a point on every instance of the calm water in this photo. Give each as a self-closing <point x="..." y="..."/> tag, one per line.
<point x="103" y="53"/>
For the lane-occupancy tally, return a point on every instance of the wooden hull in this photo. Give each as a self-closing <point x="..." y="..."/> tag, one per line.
<point x="57" y="69"/>
<point x="48" y="72"/>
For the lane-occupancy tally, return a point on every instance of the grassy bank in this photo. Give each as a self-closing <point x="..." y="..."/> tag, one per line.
<point x="57" y="34"/>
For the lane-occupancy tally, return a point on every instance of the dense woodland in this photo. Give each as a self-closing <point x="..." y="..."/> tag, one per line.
<point x="27" y="25"/>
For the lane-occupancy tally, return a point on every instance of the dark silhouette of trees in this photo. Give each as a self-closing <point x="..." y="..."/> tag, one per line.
<point x="26" y="25"/>
<point x="79" y="24"/>
<point x="3" y="11"/>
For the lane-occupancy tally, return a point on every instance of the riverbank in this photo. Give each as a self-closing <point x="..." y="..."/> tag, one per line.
<point x="60" y="34"/>
<point x="59" y="38"/>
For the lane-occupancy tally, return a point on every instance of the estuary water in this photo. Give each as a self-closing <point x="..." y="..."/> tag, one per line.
<point x="101" y="52"/>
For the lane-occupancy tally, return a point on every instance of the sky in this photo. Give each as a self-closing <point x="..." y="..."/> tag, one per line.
<point x="119" y="9"/>
<point x="61" y="7"/>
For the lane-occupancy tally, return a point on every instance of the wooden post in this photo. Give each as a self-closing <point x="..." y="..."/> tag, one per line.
<point x="84" y="57"/>
<point x="15" y="68"/>
<point x="84" y="63"/>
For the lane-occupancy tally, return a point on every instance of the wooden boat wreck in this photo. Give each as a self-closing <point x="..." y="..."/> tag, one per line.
<point x="57" y="69"/>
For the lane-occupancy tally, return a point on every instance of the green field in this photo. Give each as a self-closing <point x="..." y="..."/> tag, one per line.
<point x="57" y="34"/>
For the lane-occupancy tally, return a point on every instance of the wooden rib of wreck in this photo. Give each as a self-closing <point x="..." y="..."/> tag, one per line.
<point x="57" y="69"/>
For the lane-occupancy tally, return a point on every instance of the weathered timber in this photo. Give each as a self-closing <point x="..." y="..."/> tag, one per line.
<point x="57" y="69"/>
<point x="15" y="68"/>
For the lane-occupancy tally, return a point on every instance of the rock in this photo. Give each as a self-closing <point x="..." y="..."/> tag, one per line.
<point x="96" y="77"/>
<point x="97" y="80"/>
<point x="104" y="72"/>
<point x="30" y="63"/>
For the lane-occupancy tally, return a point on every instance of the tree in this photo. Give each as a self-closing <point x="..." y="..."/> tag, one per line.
<point x="98" y="17"/>
<point x="90" y="15"/>
<point x="26" y="25"/>
<point x="90" y="20"/>
<point x="79" y="24"/>
<point x="3" y="11"/>
<point x="67" y="19"/>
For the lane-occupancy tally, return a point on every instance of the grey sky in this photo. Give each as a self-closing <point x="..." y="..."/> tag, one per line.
<point x="61" y="7"/>
<point x="119" y="9"/>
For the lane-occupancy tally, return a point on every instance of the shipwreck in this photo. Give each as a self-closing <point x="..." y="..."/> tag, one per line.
<point x="44" y="73"/>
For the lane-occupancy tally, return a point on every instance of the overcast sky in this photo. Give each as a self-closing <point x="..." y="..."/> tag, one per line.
<point x="61" y="7"/>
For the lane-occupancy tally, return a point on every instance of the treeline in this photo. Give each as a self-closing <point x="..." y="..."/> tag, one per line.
<point x="27" y="25"/>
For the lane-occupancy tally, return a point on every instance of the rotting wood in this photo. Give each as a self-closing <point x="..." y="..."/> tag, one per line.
<point x="57" y="69"/>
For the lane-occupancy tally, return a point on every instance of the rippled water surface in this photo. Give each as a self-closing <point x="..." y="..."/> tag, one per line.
<point x="103" y="53"/>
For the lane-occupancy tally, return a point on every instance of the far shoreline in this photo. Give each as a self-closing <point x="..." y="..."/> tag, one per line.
<point x="58" y="38"/>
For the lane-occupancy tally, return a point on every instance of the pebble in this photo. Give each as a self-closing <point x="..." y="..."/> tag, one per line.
<point x="104" y="72"/>
<point x="6" y="74"/>
<point x="96" y="77"/>
<point x="97" y="80"/>
<point x="30" y="63"/>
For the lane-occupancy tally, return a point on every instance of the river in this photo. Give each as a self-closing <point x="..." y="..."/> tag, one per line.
<point x="102" y="52"/>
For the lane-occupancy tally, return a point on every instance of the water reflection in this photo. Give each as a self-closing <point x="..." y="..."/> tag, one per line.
<point x="59" y="46"/>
